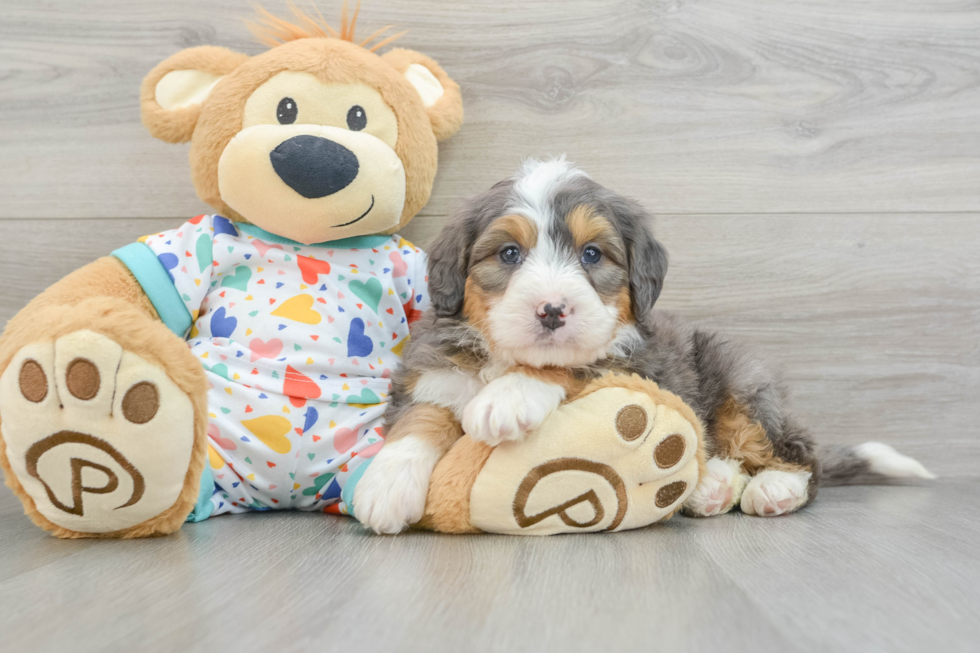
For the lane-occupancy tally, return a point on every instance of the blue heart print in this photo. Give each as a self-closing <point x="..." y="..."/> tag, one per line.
<point x="358" y="344"/>
<point x="223" y="226"/>
<point x="169" y="262"/>
<point x="311" y="418"/>
<point x="332" y="491"/>
<point x="221" y="326"/>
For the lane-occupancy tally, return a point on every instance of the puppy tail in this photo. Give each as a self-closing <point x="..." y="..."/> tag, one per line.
<point x="870" y="463"/>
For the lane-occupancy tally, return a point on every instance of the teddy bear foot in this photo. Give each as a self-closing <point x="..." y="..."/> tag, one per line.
<point x="99" y="440"/>
<point x="623" y="455"/>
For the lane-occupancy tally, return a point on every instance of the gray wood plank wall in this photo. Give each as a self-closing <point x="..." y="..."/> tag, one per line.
<point x="815" y="165"/>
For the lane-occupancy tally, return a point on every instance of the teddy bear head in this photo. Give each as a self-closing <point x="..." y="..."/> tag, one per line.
<point x="317" y="139"/>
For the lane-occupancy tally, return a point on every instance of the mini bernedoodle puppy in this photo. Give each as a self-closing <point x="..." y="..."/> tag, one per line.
<point x="546" y="281"/>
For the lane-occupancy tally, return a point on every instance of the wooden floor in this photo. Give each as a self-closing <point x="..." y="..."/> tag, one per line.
<point x="815" y="171"/>
<point x="862" y="569"/>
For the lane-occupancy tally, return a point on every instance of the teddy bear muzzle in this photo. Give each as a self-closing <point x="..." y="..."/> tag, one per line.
<point x="312" y="183"/>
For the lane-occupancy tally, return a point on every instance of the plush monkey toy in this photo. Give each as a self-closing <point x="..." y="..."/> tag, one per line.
<point x="238" y="362"/>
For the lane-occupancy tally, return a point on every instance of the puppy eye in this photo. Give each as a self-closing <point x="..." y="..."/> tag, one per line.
<point x="510" y="254"/>
<point x="356" y="118"/>
<point x="591" y="254"/>
<point x="287" y="110"/>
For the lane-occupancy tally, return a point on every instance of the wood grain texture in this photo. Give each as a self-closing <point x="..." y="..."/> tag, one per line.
<point x="862" y="569"/>
<point x="815" y="168"/>
<point x="874" y="320"/>
<point x="716" y="106"/>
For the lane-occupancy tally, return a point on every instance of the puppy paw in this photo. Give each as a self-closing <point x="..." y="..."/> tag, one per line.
<point x="509" y="407"/>
<point x="719" y="491"/>
<point x="391" y="494"/>
<point x="773" y="493"/>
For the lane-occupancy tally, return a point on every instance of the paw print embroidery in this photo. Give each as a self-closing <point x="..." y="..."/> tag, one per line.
<point x="636" y="465"/>
<point x="83" y="422"/>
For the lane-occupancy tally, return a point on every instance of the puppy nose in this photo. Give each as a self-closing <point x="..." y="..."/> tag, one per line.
<point x="551" y="316"/>
<point x="314" y="166"/>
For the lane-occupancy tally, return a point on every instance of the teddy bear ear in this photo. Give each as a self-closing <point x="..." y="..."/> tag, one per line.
<point x="440" y="94"/>
<point x="172" y="93"/>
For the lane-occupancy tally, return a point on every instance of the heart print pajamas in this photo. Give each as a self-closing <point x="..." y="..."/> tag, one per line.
<point x="298" y="343"/>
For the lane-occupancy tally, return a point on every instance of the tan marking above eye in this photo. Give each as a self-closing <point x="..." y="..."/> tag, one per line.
<point x="669" y="452"/>
<point x="587" y="226"/>
<point x="670" y="493"/>
<point x="505" y="229"/>
<point x="320" y="103"/>
<point x="82" y="379"/>
<point x="141" y="403"/>
<point x="521" y="230"/>
<point x="33" y="381"/>
<point x="631" y="422"/>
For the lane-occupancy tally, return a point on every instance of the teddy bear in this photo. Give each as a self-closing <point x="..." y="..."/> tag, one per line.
<point x="240" y="361"/>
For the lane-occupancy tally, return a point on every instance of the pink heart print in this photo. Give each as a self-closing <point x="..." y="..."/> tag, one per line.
<point x="371" y="449"/>
<point x="345" y="438"/>
<point x="263" y="248"/>
<point x="261" y="349"/>
<point x="224" y="443"/>
<point x="399" y="266"/>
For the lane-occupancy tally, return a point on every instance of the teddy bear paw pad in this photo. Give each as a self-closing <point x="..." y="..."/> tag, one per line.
<point x="612" y="460"/>
<point x="99" y="438"/>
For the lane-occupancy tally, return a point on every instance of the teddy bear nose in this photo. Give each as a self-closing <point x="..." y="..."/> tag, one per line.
<point x="314" y="166"/>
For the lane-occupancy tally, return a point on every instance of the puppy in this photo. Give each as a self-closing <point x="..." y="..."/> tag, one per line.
<point x="544" y="282"/>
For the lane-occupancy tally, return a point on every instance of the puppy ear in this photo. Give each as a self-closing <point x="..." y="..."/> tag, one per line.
<point x="173" y="92"/>
<point x="647" y="263"/>
<point x="440" y="94"/>
<point x="449" y="264"/>
<point x="449" y="256"/>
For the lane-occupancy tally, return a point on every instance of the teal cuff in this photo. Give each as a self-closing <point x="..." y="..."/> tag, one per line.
<point x="156" y="283"/>
<point x="347" y="494"/>
<point x="204" y="507"/>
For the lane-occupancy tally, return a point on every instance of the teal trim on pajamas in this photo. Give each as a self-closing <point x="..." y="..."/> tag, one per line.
<point x="159" y="288"/>
<point x="347" y="494"/>
<point x="354" y="242"/>
<point x="157" y="285"/>
<point x="204" y="507"/>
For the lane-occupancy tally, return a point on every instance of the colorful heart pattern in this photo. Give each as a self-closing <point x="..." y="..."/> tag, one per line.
<point x="299" y="343"/>
<point x="311" y="268"/>
<point x="358" y="344"/>
<point x="239" y="280"/>
<point x="370" y="292"/>
<point x="261" y="349"/>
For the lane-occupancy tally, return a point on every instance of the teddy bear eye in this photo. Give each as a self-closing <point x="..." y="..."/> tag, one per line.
<point x="287" y="110"/>
<point x="356" y="118"/>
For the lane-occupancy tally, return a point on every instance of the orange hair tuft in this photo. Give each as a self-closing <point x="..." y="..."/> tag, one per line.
<point x="273" y="31"/>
